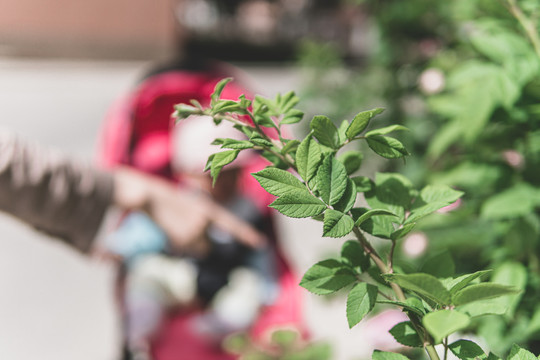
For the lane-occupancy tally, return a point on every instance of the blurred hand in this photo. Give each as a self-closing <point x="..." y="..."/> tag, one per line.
<point x="182" y="214"/>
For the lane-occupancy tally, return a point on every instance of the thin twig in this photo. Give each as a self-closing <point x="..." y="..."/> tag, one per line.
<point x="391" y="257"/>
<point x="368" y="248"/>
<point x="385" y="296"/>
<point x="527" y="24"/>
<point x="378" y="261"/>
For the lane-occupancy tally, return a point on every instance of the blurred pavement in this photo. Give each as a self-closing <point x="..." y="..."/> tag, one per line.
<point x="54" y="303"/>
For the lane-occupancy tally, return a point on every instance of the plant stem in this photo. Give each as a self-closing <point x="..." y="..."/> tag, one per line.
<point x="368" y="248"/>
<point x="432" y="353"/>
<point x="445" y="343"/>
<point x="527" y="24"/>
<point x="282" y="157"/>
<point x="391" y="257"/>
<point x="378" y="261"/>
<point x="230" y="119"/>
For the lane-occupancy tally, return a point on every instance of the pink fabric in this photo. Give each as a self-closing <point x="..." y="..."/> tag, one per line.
<point x="178" y="341"/>
<point x="115" y="135"/>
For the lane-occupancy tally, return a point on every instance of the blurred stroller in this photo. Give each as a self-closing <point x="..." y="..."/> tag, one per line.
<point x="139" y="132"/>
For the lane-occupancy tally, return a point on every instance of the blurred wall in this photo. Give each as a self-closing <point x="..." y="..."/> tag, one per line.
<point x="87" y="28"/>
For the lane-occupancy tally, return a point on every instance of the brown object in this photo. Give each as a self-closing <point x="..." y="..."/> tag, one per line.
<point x="52" y="193"/>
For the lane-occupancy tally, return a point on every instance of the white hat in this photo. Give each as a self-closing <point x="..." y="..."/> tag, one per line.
<point x="192" y="139"/>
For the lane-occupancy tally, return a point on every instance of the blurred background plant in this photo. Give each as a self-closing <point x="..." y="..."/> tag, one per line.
<point x="283" y="345"/>
<point x="464" y="76"/>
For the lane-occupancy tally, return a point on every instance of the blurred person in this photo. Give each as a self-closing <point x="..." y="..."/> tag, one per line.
<point x="179" y="305"/>
<point x="229" y="278"/>
<point x="69" y="199"/>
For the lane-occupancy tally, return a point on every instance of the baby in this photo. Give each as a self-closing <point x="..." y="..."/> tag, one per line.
<point x="228" y="278"/>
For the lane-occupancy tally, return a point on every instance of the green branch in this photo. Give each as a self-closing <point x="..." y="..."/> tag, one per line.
<point x="528" y="25"/>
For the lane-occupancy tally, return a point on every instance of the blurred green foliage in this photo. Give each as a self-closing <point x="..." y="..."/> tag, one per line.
<point x="464" y="76"/>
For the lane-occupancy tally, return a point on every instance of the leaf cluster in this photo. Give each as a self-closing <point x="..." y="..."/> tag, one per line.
<point x="310" y="179"/>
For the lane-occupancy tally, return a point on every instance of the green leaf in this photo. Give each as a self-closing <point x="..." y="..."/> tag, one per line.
<point x="285" y="339"/>
<point x="313" y="351"/>
<point x="481" y="291"/>
<point x="361" y="121"/>
<point x="223" y="106"/>
<point x="402" y="232"/>
<point x="440" y="193"/>
<point x="481" y="308"/>
<point x="534" y="324"/>
<point x="363" y="183"/>
<point x="218" y="90"/>
<point x="275" y="160"/>
<point x="298" y="205"/>
<point x="387" y="147"/>
<point x="196" y="104"/>
<point x="337" y="224"/>
<point x="507" y="48"/>
<point x="375" y="273"/>
<point x="352" y="161"/>
<point x="412" y="304"/>
<point x="245" y="129"/>
<point x="392" y="192"/>
<point x="460" y="282"/>
<point x="264" y="120"/>
<point x="380" y="226"/>
<point x="279" y="182"/>
<point x="290" y="146"/>
<point x="287" y="102"/>
<point x="244" y="102"/>
<point x="432" y="198"/>
<point x="262" y="105"/>
<point x="371" y="213"/>
<point x="327" y="277"/>
<point x="331" y="180"/>
<point x="467" y="350"/>
<point x="233" y="144"/>
<point x="383" y="355"/>
<point x="423" y="211"/>
<point x="478" y="87"/>
<point x="405" y="334"/>
<point x="518" y="353"/>
<point x="386" y="130"/>
<point x="425" y="285"/>
<point x="182" y="111"/>
<point x="259" y="141"/>
<point x="348" y="199"/>
<point x="512" y="274"/>
<point x="342" y="129"/>
<point x="236" y="343"/>
<point x="325" y="131"/>
<point x="442" y="323"/>
<point x="360" y="302"/>
<point x="292" y="116"/>
<point x="219" y="160"/>
<point x="308" y="158"/>
<point x="511" y="203"/>
<point x="352" y="254"/>
<point x="439" y="265"/>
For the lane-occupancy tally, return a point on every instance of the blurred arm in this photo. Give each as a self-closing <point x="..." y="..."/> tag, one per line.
<point x="68" y="200"/>
<point x="52" y="193"/>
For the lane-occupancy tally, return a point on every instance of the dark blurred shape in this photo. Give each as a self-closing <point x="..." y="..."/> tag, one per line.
<point x="261" y="30"/>
<point x="235" y="30"/>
